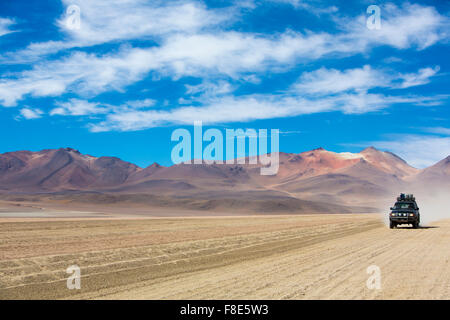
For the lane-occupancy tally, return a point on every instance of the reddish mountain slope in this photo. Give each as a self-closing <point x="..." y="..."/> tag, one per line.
<point x="319" y="176"/>
<point x="388" y="162"/>
<point x="61" y="169"/>
<point x="436" y="175"/>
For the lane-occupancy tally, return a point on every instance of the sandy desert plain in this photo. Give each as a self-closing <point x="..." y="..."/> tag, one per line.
<point x="126" y="255"/>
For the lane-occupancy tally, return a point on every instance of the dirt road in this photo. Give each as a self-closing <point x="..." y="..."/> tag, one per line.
<point x="276" y="257"/>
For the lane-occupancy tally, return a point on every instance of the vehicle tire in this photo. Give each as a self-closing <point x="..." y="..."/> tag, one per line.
<point x="392" y="225"/>
<point x="415" y="225"/>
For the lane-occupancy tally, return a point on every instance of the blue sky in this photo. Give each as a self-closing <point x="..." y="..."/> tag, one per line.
<point x="132" y="71"/>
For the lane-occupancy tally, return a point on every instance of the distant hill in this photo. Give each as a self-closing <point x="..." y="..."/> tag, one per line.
<point x="312" y="181"/>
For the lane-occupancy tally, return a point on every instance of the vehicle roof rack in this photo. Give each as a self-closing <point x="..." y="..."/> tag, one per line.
<point x="406" y="197"/>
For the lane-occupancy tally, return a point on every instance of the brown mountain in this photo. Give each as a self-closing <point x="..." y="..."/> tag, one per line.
<point x="350" y="178"/>
<point x="436" y="175"/>
<point x="61" y="169"/>
<point x="312" y="181"/>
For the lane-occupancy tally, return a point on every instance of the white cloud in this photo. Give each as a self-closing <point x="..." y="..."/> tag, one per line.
<point x="121" y="20"/>
<point x="326" y="81"/>
<point x="234" y="53"/>
<point x="202" y="55"/>
<point x="85" y="74"/>
<point x="34" y="83"/>
<point x="410" y="25"/>
<point x="393" y="59"/>
<point x="420" y="78"/>
<point x="104" y="21"/>
<point x="190" y="41"/>
<point x="210" y="89"/>
<point x="329" y="81"/>
<point x="291" y="132"/>
<point x="76" y="107"/>
<point x="137" y="104"/>
<point x="310" y="6"/>
<point x="419" y="150"/>
<point x="199" y="53"/>
<point x="35" y="52"/>
<point x="247" y="108"/>
<point x="5" y="23"/>
<point x="439" y="130"/>
<point x="29" y="113"/>
<point x="227" y="109"/>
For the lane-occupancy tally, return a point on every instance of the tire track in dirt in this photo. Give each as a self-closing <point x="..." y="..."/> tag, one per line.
<point x="323" y="257"/>
<point x="291" y="275"/>
<point x="107" y="277"/>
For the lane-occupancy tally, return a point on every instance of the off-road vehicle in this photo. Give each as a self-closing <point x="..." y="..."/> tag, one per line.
<point x="405" y="211"/>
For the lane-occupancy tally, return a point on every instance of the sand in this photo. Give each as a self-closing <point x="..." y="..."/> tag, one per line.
<point x="260" y="257"/>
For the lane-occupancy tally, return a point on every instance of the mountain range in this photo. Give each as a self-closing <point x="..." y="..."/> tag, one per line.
<point x="312" y="181"/>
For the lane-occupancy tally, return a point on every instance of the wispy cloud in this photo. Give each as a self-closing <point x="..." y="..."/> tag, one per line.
<point x="420" y="151"/>
<point x="76" y="107"/>
<point x="314" y="7"/>
<point x="137" y="19"/>
<point x="5" y="23"/>
<point x="249" y="108"/>
<point x="328" y="81"/>
<point x="420" y="78"/>
<point x="409" y="25"/>
<point x="187" y="39"/>
<point x="141" y="103"/>
<point x="117" y="20"/>
<point x="439" y="130"/>
<point x="29" y="113"/>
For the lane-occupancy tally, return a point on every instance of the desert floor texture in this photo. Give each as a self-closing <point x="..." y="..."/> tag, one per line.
<point x="240" y="257"/>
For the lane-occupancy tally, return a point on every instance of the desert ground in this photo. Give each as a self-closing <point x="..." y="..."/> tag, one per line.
<point x="321" y="256"/>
